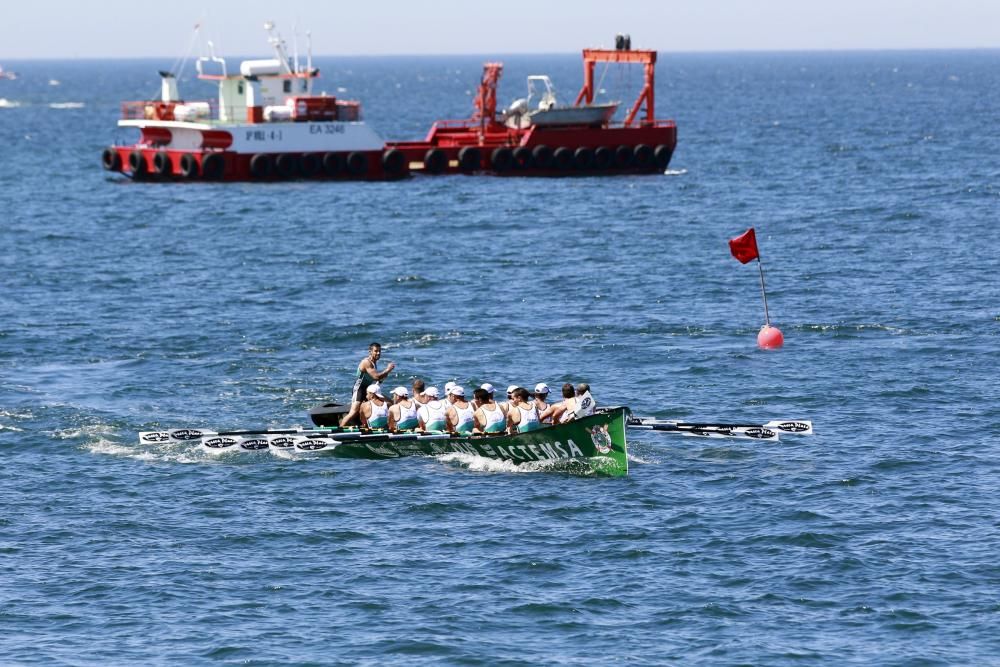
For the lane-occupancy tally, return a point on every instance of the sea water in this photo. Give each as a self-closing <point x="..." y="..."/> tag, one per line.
<point x="873" y="183"/>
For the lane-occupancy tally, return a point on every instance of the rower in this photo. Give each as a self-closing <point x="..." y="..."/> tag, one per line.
<point x="585" y="404"/>
<point x="448" y="386"/>
<point x="418" y="391"/>
<point x="541" y="399"/>
<point x="510" y="397"/>
<point x="564" y="411"/>
<point x="490" y="417"/>
<point x="488" y="388"/>
<point x="522" y="415"/>
<point x="403" y="413"/>
<point x="433" y="415"/>
<point x="375" y="411"/>
<point x="461" y="414"/>
<point x="367" y="374"/>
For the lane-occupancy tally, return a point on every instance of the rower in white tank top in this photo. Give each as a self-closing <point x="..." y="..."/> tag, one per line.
<point x="495" y="421"/>
<point x="433" y="414"/>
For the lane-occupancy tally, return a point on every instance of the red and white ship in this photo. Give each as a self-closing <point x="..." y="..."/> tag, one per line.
<point x="267" y="125"/>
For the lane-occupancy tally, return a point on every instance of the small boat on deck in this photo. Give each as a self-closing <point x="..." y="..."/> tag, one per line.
<point x="540" y="109"/>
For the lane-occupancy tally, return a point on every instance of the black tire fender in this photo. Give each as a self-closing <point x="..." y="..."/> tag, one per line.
<point x="261" y="165"/>
<point x="111" y="160"/>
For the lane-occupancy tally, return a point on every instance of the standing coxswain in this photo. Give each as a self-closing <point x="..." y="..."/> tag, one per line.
<point x="403" y="413"/>
<point x="522" y="415"/>
<point x="375" y="411"/>
<point x="433" y="415"/>
<point x="368" y="373"/>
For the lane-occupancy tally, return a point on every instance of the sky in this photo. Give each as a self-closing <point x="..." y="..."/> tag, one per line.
<point x="139" y="28"/>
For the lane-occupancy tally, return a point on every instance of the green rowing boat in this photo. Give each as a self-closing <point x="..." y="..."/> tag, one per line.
<point x="597" y="441"/>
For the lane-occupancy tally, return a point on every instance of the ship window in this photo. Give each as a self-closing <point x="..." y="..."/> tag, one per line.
<point x="239" y="88"/>
<point x="287" y="86"/>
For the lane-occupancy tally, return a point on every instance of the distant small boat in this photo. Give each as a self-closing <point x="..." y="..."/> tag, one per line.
<point x="7" y="74"/>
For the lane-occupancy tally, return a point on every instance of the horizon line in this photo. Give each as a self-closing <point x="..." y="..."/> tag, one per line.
<point x="905" y="49"/>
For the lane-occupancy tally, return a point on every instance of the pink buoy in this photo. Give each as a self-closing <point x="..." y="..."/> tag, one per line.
<point x="770" y="337"/>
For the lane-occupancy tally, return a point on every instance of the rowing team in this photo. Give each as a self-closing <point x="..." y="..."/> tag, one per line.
<point x="425" y="410"/>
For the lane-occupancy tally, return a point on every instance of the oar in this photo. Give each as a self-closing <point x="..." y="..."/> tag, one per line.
<point x="190" y="434"/>
<point x="717" y="431"/>
<point x="786" y="426"/>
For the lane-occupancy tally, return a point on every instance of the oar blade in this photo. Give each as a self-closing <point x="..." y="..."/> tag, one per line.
<point x="791" y="426"/>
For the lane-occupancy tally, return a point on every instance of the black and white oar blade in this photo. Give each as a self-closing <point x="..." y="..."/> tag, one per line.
<point x="791" y="427"/>
<point x="751" y="432"/>
<point x="218" y="444"/>
<point x="314" y="444"/>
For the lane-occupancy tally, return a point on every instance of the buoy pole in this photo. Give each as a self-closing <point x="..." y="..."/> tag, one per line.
<point x="767" y="316"/>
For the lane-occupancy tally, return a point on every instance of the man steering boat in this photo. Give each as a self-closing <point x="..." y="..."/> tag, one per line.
<point x="368" y="373"/>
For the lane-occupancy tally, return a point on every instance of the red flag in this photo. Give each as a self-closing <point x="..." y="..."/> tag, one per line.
<point x="744" y="246"/>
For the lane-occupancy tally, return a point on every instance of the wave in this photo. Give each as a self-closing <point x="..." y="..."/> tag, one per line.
<point x="485" y="464"/>
<point x="675" y="172"/>
<point x="8" y="104"/>
<point x="67" y="105"/>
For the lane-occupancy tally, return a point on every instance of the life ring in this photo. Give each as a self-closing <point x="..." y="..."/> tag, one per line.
<point x="643" y="156"/>
<point x="562" y="158"/>
<point x="357" y="163"/>
<point x="333" y="163"/>
<point x="603" y="157"/>
<point x="260" y="165"/>
<point x="470" y="159"/>
<point x="583" y="158"/>
<point x="137" y="163"/>
<point x="624" y="157"/>
<point x="161" y="164"/>
<point x="393" y="162"/>
<point x="501" y="159"/>
<point x="189" y="166"/>
<point x="522" y="157"/>
<point x="662" y="155"/>
<point x="213" y="166"/>
<point x="541" y="157"/>
<point x="435" y="161"/>
<point x="286" y="165"/>
<point x="111" y="160"/>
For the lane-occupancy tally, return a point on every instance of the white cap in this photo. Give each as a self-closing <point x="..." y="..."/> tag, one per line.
<point x="458" y="390"/>
<point x="431" y="391"/>
<point x="447" y="387"/>
<point x="511" y="388"/>
<point x="374" y="388"/>
<point x="400" y="391"/>
<point x="488" y="387"/>
<point x="541" y="388"/>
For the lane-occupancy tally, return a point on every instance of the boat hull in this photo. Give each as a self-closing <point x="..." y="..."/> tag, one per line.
<point x="597" y="441"/>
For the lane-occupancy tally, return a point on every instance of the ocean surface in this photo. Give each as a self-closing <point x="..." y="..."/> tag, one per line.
<point x="873" y="181"/>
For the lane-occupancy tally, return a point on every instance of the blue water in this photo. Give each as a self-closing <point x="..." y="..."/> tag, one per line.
<point x="873" y="182"/>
